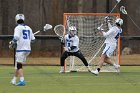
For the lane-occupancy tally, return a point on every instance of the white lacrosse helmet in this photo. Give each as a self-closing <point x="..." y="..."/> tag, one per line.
<point x="119" y="21"/>
<point x="72" y="30"/>
<point x="20" y="17"/>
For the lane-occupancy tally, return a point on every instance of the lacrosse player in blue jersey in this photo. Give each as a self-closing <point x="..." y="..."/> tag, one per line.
<point x="111" y="42"/>
<point x="23" y="36"/>
<point x="71" y="41"/>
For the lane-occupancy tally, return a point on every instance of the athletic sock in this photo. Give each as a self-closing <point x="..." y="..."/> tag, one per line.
<point x="21" y="78"/>
<point x="62" y="67"/>
<point x="115" y="65"/>
<point x="89" y="69"/>
<point x="14" y="78"/>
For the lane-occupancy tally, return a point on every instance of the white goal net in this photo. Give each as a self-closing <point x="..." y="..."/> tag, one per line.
<point x="91" y="44"/>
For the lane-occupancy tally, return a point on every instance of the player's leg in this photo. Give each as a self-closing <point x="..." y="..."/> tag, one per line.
<point x="109" y="53"/>
<point x="13" y="81"/>
<point x="62" y="61"/>
<point x="96" y="72"/>
<point x="105" y="57"/>
<point x="21" y="59"/>
<point x="110" y="62"/>
<point x="82" y="58"/>
<point x="102" y="60"/>
<point x="20" y="74"/>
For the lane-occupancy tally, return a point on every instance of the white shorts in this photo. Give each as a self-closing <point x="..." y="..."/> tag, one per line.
<point x="21" y="56"/>
<point x="109" y="49"/>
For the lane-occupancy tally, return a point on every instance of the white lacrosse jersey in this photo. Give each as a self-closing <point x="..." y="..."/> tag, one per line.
<point x="112" y="35"/>
<point x="23" y="34"/>
<point x="73" y="41"/>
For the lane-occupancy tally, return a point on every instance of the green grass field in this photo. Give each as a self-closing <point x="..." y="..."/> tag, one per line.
<point x="46" y="79"/>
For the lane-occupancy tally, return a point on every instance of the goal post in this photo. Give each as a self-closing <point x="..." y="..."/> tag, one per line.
<point x="90" y="42"/>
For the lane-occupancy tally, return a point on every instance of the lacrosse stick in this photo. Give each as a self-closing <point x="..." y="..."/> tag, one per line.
<point x="123" y="10"/>
<point x="118" y="1"/>
<point x="59" y="30"/>
<point x="45" y="28"/>
<point x="107" y="17"/>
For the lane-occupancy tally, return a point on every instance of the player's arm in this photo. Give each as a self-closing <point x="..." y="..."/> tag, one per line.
<point x="32" y="36"/>
<point x="63" y="39"/>
<point x="107" y="20"/>
<point x="106" y="34"/>
<point x="71" y="48"/>
<point x="13" y="42"/>
<point x="109" y="25"/>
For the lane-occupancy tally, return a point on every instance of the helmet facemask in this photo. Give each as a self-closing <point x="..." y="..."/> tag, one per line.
<point x="72" y="31"/>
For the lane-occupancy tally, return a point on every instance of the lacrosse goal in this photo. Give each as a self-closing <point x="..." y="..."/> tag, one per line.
<point x="91" y="44"/>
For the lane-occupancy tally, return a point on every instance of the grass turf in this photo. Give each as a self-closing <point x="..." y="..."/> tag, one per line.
<point x="46" y="79"/>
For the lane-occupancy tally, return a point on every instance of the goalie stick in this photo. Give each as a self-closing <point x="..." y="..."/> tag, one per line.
<point x="123" y="10"/>
<point x="59" y="30"/>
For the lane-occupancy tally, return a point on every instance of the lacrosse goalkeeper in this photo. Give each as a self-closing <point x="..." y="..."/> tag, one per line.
<point x="23" y="36"/>
<point x="111" y="36"/>
<point x="71" y="43"/>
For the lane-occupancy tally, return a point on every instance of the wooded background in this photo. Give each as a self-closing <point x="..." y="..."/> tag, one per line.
<point x="39" y="12"/>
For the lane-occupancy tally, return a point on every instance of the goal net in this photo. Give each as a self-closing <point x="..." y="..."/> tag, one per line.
<point x="91" y="43"/>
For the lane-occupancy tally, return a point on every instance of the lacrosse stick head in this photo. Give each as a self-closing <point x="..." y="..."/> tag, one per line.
<point x="122" y="9"/>
<point x="59" y="30"/>
<point x="47" y="27"/>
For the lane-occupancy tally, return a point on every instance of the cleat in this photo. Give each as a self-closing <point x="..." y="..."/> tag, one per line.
<point x="117" y="67"/>
<point x="21" y="83"/>
<point x="95" y="72"/>
<point x="73" y="71"/>
<point x="61" y="71"/>
<point x="13" y="82"/>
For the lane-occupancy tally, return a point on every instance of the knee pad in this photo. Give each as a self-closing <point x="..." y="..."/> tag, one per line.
<point x="19" y="66"/>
